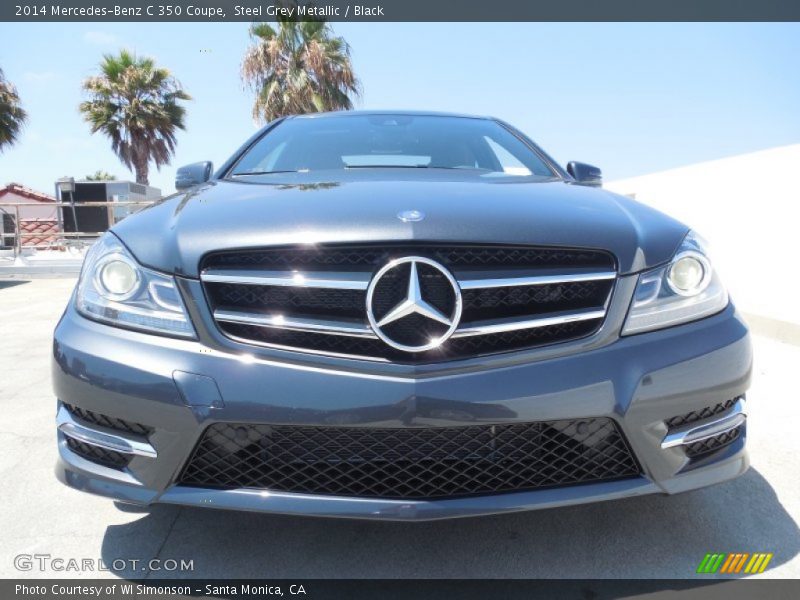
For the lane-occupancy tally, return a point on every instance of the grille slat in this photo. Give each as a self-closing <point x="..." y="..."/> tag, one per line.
<point x="410" y="463"/>
<point x="371" y="347"/>
<point x="497" y="303"/>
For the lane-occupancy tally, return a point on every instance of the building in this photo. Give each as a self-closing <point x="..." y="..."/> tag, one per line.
<point x="35" y="221"/>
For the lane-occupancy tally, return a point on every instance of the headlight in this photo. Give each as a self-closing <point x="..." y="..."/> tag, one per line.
<point x="685" y="290"/>
<point x="689" y="273"/>
<point x="117" y="277"/>
<point x="115" y="289"/>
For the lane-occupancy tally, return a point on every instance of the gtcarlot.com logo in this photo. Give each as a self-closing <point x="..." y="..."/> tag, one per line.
<point x="47" y="562"/>
<point x="732" y="563"/>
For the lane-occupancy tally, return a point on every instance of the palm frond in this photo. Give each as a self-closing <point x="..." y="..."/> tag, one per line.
<point x="12" y="115"/>
<point x="136" y="104"/>
<point x="302" y="67"/>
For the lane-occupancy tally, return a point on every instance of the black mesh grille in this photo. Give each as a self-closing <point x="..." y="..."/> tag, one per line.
<point x="295" y="301"/>
<point x="713" y="444"/>
<point x="98" y="455"/>
<point x="410" y="462"/>
<point x="699" y="415"/>
<point x="113" y="423"/>
<point x="350" y="305"/>
<point x="522" y="338"/>
<point x="492" y="303"/>
<point x="355" y="256"/>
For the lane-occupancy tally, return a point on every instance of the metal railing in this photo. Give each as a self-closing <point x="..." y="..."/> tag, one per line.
<point x="59" y="239"/>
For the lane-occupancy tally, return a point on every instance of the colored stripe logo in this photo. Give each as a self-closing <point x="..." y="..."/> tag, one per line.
<point x="737" y="562"/>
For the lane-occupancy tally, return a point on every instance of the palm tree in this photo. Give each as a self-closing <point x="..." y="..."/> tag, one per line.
<point x="12" y="115"/>
<point x="101" y="175"/>
<point x="136" y="104"/>
<point x="301" y="67"/>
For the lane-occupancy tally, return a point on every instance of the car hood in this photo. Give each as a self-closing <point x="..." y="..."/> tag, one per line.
<point x="173" y="235"/>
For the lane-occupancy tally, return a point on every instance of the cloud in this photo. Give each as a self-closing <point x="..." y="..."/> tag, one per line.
<point x="41" y="77"/>
<point x="99" y="38"/>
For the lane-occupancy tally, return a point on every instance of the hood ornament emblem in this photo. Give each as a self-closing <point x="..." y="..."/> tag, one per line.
<point x="410" y="216"/>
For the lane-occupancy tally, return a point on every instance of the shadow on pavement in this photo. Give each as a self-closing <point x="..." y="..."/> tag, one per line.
<point x="647" y="537"/>
<point x="132" y="508"/>
<point x="9" y="283"/>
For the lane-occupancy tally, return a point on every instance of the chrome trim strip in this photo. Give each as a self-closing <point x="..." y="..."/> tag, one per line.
<point x="696" y="433"/>
<point x="322" y="279"/>
<point x="501" y="326"/>
<point x="353" y="329"/>
<point x="359" y="330"/>
<point x="67" y="425"/>
<point x="475" y="284"/>
<point x="360" y="280"/>
<point x="303" y="350"/>
<point x="77" y="461"/>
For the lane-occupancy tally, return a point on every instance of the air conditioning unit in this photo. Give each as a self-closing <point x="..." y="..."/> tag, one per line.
<point x="96" y="219"/>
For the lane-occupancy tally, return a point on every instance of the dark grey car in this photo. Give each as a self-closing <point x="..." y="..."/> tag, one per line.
<point x="397" y="315"/>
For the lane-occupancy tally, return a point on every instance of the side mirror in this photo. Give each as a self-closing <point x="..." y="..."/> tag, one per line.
<point x="585" y="174"/>
<point x="192" y="175"/>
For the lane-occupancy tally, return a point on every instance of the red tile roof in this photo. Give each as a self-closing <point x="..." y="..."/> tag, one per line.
<point x="32" y="232"/>
<point x="21" y="190"/>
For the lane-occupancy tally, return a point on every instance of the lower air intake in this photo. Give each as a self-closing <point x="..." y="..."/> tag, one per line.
<point x="410" y="463"/>
<point x="712" y="444"/>
<point x="98" y="455"/>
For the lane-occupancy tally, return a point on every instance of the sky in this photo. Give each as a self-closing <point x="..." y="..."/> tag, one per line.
<point x="630" y="98"/>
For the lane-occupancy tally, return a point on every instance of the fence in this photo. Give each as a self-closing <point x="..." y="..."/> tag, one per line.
<point x="58" y="240"/>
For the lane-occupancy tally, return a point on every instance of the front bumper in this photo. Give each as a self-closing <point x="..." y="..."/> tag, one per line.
<point x="181" y="387"/>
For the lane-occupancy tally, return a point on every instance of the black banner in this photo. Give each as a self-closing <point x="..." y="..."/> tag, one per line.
<point x="396" y="589"/>
<point x="401" y="10"/>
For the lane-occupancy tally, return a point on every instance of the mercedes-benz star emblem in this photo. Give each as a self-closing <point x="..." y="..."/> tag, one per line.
<point x="413" y="304"/>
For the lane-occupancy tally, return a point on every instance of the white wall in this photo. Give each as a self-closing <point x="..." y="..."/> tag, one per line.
<point x="748" y="208"/>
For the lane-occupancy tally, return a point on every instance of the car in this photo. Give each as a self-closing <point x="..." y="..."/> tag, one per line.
<point x="397" y="315"/>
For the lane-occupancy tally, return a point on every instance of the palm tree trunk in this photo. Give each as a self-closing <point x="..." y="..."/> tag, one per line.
<point x="141" y="168"/>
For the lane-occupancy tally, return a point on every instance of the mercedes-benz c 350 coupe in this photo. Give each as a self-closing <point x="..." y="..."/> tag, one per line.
<point x="397" y="315"/>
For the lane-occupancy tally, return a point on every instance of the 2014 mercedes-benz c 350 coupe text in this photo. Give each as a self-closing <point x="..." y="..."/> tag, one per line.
<point x="397" y="315"/>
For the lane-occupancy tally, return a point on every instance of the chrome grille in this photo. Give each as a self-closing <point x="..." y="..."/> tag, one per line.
<point x="314" y="299"/>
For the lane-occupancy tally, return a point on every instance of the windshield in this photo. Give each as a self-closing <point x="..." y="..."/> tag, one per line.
<point x="391" y="141"/>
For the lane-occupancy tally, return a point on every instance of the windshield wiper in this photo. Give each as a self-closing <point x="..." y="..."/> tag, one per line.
<point x="386" y="166"/>
<point x="268" y="172"/>
<point x="414" y="167"/>
<point x="255" y="173"/>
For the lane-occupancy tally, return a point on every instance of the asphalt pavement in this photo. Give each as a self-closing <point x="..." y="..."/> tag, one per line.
<point x="646" y="537"/>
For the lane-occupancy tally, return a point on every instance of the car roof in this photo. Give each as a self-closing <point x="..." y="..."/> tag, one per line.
<point x="414" y="113"/>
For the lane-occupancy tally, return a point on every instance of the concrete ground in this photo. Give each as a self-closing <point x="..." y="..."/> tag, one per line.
<point x="650" y="537"/>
